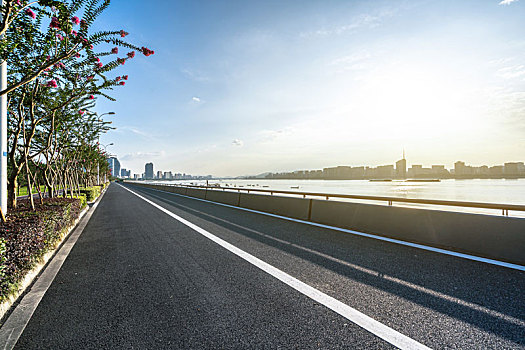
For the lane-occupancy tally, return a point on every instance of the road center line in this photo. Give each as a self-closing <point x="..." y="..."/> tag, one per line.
<point x="375" y="327"/>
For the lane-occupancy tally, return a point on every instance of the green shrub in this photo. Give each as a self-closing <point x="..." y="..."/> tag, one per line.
<point x="28" y="235"/>
<point x="91" y="193"/>
<point x="83" y="200"/>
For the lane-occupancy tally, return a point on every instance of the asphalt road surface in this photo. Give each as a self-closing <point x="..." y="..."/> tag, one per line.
<point x="138" y="278"/>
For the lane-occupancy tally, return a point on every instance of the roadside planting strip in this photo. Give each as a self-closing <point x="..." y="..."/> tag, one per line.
<point x="15" y="324"/>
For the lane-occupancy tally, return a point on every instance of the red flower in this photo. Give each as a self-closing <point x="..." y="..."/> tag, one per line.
<point x="122" y="83"/>
<point x="77" y="55"/>
<point x="54" y="23"/>
<point x="90" y="77"/>
<point x="91" y="47"/>
<point x="114" y="50"/>
<point x="125" y="77"/>
<point x="131" y="54"/>
<point x="74" y="32"/>
<point x="117" y="78"/>
<point x="91" y="97"/>
<point x="81" y="112"/>
<point x="97" y="59"/>
<point x="75" y="20"/>
<point x="52" y="83"/>
<point x="123" y="33"/>
<point x="147" y="51"/>
<point x="121" y="60"/>
<point x="99" y="65"/>
<point x="30" y="13"/>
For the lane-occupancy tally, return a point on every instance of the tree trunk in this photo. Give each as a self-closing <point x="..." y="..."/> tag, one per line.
<point x="12" y="189"/>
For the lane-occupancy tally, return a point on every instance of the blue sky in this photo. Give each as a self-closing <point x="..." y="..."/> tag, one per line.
<point x="244" y="87"/>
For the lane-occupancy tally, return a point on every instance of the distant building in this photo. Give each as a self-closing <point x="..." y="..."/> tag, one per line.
<point x="168" y="175"/>
<point x="401" y="168"/>
<point x="385" y="172"/>
<point x="159" y="175"/>
<point x="114" y="166"/>
<point x="148" y="175"/>
<point x="125" y="173"/>
<point x="136" y="176"/>
<point x="513" y="169"/>
<point x="439" y="171"/>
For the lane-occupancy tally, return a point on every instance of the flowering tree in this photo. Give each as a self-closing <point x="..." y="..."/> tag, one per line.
<point x="55" y="76"/>
<point x="67" y="36"/>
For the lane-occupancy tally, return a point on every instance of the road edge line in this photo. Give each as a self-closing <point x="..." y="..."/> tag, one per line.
<point x="366" y="322"/>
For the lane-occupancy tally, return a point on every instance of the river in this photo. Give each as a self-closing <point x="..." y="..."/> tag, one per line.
<point x="502" y="191"/>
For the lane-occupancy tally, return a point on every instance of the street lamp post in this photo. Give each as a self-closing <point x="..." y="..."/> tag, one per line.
<point x="3" y="132"/>
<point x="105" y="151"/>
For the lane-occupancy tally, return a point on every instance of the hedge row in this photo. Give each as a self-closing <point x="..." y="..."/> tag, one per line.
<point x="91" y="193"/>
<point x="28" y="235"/>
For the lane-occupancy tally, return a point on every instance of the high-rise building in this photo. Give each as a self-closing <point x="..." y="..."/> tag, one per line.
<point x="149" y="171"/>
<point x="401" y="167"/>
<point x="114" y="166"/>
<point x="159" y="175"/>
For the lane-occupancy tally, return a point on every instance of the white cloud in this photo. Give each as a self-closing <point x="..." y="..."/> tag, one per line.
<point x="507" y="2"/>
<point x="512" y="72"/>
<point x="362" y="21"/>
<point x="143" y="155"/>
<point x="237" y="142"/>
<point x="196" y="99"/>
<point x="134" y="130"/>
<point x="195" y="75"/>
<point x="272" y="135"/>
<point x="354" y="62"/>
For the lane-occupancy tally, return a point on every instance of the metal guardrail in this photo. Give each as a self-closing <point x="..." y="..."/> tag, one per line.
<point x="480" y="205"/>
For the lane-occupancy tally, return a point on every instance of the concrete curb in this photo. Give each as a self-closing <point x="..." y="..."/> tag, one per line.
<point x="31" y="276"/>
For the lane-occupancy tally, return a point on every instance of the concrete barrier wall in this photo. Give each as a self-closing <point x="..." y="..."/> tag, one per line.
<point x="495" y="237"/>
<point x="225" y="197"/>
<point x="195" y="192"/>
<point x="286" y="206"/>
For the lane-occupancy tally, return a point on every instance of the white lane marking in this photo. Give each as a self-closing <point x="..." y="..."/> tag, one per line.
<point x="382" y="331"/>
<point x="14" y="326"/>
<point x="368" y="235"/>
<point x="370" y="272"/>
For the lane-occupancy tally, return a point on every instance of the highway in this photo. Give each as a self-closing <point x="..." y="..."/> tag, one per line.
<point x="155" y="270"/>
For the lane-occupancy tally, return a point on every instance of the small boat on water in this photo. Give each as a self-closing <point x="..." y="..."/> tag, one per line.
<point x="266" y="186"/>
<point x="423" y="180"/>
<point x="295" y="187"/>
<point x="380" y="180"/>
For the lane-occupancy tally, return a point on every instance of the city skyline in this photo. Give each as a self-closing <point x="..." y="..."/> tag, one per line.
<point x="248" y="87"/>
<point x="399" y="169"/>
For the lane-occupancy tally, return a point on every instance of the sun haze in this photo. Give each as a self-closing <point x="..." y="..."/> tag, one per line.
<point x="244" y="87"/>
